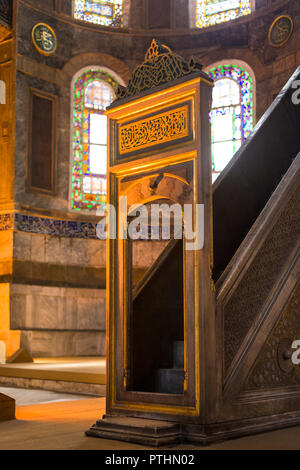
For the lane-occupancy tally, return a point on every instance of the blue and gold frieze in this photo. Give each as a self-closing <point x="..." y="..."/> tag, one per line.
<point x="48" y="226"/>
<point x="68" y="228"/>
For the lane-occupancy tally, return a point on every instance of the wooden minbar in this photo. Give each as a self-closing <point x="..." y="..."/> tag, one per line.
<point x="166" y="332"/>
<point x="160" y="330"/>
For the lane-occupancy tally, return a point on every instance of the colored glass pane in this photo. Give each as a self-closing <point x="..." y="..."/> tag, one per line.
<point x="231" y="115"/>
<point x="93" y="91"/>
<point x="105" y="13"/>
<point x="212" y="12"/>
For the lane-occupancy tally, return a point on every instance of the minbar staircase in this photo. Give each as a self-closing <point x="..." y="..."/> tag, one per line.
<point x="249" y="384"/>
<point x="256" y="220"/>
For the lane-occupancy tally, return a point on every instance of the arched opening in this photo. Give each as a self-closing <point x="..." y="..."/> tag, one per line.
<point x="156" y="310"/>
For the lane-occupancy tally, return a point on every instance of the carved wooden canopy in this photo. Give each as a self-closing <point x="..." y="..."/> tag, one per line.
<point x="161" y="65"/>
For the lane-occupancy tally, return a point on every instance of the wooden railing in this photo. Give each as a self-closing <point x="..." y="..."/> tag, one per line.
<point x="245" y="186"/>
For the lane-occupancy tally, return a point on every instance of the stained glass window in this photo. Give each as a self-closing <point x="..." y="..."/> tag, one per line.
<point x="102" y="12"/>
<point x="94" y="90"/>
<point x="231" y="114"/>
<point x="212" y="12"/>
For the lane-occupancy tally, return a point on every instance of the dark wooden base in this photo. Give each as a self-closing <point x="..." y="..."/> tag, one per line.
<point x="7" y="408"/>
<point x="159" y="433"/>
<point x="141" y="431"/>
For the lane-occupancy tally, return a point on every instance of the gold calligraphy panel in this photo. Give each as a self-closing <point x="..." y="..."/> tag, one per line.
<point x="163" y="128"/>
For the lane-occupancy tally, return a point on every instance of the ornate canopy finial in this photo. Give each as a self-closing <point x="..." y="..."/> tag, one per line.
<point x="155" y="50"/>
<point x="161" y="66"/>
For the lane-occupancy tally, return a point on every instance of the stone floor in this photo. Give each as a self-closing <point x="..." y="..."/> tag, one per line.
<point x="61" y="425"/>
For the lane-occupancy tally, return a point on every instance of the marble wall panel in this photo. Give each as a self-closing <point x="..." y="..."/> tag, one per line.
<point x="52" y="308"/>
<point x="63" y="343"/>
<point x="76" y="252"/>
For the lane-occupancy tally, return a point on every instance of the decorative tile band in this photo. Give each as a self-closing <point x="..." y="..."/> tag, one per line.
<point x="68" y="228"/>
<point x="55" y="227"/>
<point x="47" y="226"/>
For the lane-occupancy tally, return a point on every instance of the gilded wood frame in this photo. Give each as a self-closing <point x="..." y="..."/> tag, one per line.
<point x="119" y="400"/>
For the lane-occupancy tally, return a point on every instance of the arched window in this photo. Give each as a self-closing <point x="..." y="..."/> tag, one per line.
<point x="212" y="12"/>
<point x="102" y="12"/>
<point x="93" y="91"/>
<point x="232" y="113"/>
